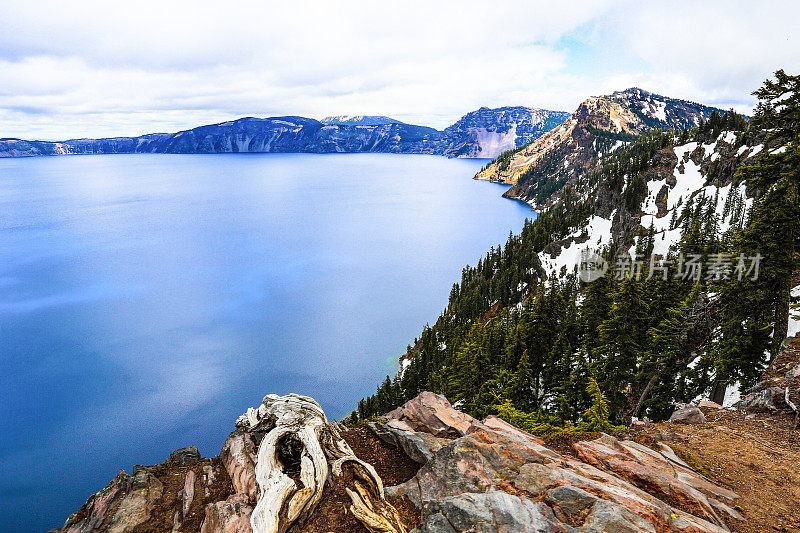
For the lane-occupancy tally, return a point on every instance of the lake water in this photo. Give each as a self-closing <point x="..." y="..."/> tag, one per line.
<point x="147" y="300"/>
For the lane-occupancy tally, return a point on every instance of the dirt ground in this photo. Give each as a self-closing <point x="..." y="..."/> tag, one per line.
<point x="757" y="457"/>
<point x="394" y="467"/>
<point x="172" y="478"/>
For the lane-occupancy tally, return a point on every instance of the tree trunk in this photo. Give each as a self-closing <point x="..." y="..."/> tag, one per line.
<point x="299" y="433"/>
<point x="718" y="391"/>
<point x="645" y="392"/>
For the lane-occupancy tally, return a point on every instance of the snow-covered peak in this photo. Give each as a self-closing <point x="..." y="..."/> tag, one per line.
<point x="359" y="120"/>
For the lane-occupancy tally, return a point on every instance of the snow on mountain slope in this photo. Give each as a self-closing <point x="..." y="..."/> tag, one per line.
<point x="360" y="120"/>
<point x="668" y="193"/>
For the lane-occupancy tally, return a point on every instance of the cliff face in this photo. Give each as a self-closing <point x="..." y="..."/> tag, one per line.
<point x="600" y="125"/>
<point x="489" y="132"/>
<point x="483" y="133"/>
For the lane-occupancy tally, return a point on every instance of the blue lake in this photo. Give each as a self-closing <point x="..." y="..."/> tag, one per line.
<point x="147" y="300"/>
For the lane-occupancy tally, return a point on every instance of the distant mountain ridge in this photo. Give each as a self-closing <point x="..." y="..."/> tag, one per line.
<point x="360" y="120"/>
<point x="600" y="125"/>
<point x="482" y="133"/>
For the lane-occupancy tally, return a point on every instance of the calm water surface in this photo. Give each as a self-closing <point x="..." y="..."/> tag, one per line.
<point x="146" y="301"/>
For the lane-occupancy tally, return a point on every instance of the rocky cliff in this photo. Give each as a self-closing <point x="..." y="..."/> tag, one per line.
<point x="444" y="471"/>
<point x="600" y="125"/>
<point x="489" y="132"/>
<point x="483" y="133"/>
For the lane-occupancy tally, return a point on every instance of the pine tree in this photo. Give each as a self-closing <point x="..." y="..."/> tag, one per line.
<point x="521" y="387"/>
<point x="776" y="173"/>
<point x="623" y="338"/>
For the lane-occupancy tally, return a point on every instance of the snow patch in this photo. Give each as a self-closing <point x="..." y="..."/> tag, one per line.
<point x="794" y="317"/>
<point x="492" y="143"/>
<point x="728" y="137"/>
<point x="660" y="111"/>
<point x="599" y="230"/>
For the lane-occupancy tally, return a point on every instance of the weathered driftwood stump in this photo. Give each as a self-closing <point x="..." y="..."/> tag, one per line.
<point x="298" y="433"/>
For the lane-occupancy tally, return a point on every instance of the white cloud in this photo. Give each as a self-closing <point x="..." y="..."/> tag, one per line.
<point x="104" y="68"/>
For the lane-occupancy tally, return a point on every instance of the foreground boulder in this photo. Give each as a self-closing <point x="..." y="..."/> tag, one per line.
<point x="769" y="400"/>
<point x="688" y="415"/>
<point x="283" y="464"/>
<point x="431" y="413"/>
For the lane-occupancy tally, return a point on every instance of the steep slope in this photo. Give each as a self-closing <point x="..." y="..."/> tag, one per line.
<point x="524" y="326"/>
<point x="489" y="132"/>
<point x="697" y="174"/>
<point x="599" y="126"/>
<point x="483" y="133"/>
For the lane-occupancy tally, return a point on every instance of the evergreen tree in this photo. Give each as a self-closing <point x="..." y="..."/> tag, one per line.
<point x="623" y="338"/>
<point x="776" y="173"/>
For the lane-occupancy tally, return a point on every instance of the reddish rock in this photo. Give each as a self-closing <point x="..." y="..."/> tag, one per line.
<point x="99" y="507"/>
<point x="433" y="414"/>
<point x="499" y="424"/>
<point x="228" y="516"/>
<point x="658" y="473"/>
<point x="239" y="457"/>
<point x="485" y="477"/>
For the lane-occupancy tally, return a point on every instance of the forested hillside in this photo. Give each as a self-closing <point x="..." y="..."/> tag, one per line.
<point x="698" y="229"/>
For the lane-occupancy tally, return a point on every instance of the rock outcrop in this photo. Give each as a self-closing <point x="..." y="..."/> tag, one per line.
<point x="490" y="132"/>
<point x="495" y="477"/>
<point x="479" y="476"/>
<point x="779" y="390"/>
<point x="539" y="170"/>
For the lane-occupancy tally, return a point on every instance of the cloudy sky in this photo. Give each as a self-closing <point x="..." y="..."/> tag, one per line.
<point x="101" y="68"/>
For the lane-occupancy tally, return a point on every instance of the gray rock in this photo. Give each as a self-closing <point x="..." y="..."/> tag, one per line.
<point x="489" y="512"/>
<point x="769" y="399"/>
<point x="688" y="415"/>
<point x="436" y="523"/>
<point x="410" y="489"/>
<point x="570" y="500"/>
<point x="535" y="478"/>
<point x="793" y="372"/>
<point x="476" y="462"/>
<point x="186" y="456"/>
<point x="420" y="447"/>
<point x="609" y="517"/>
